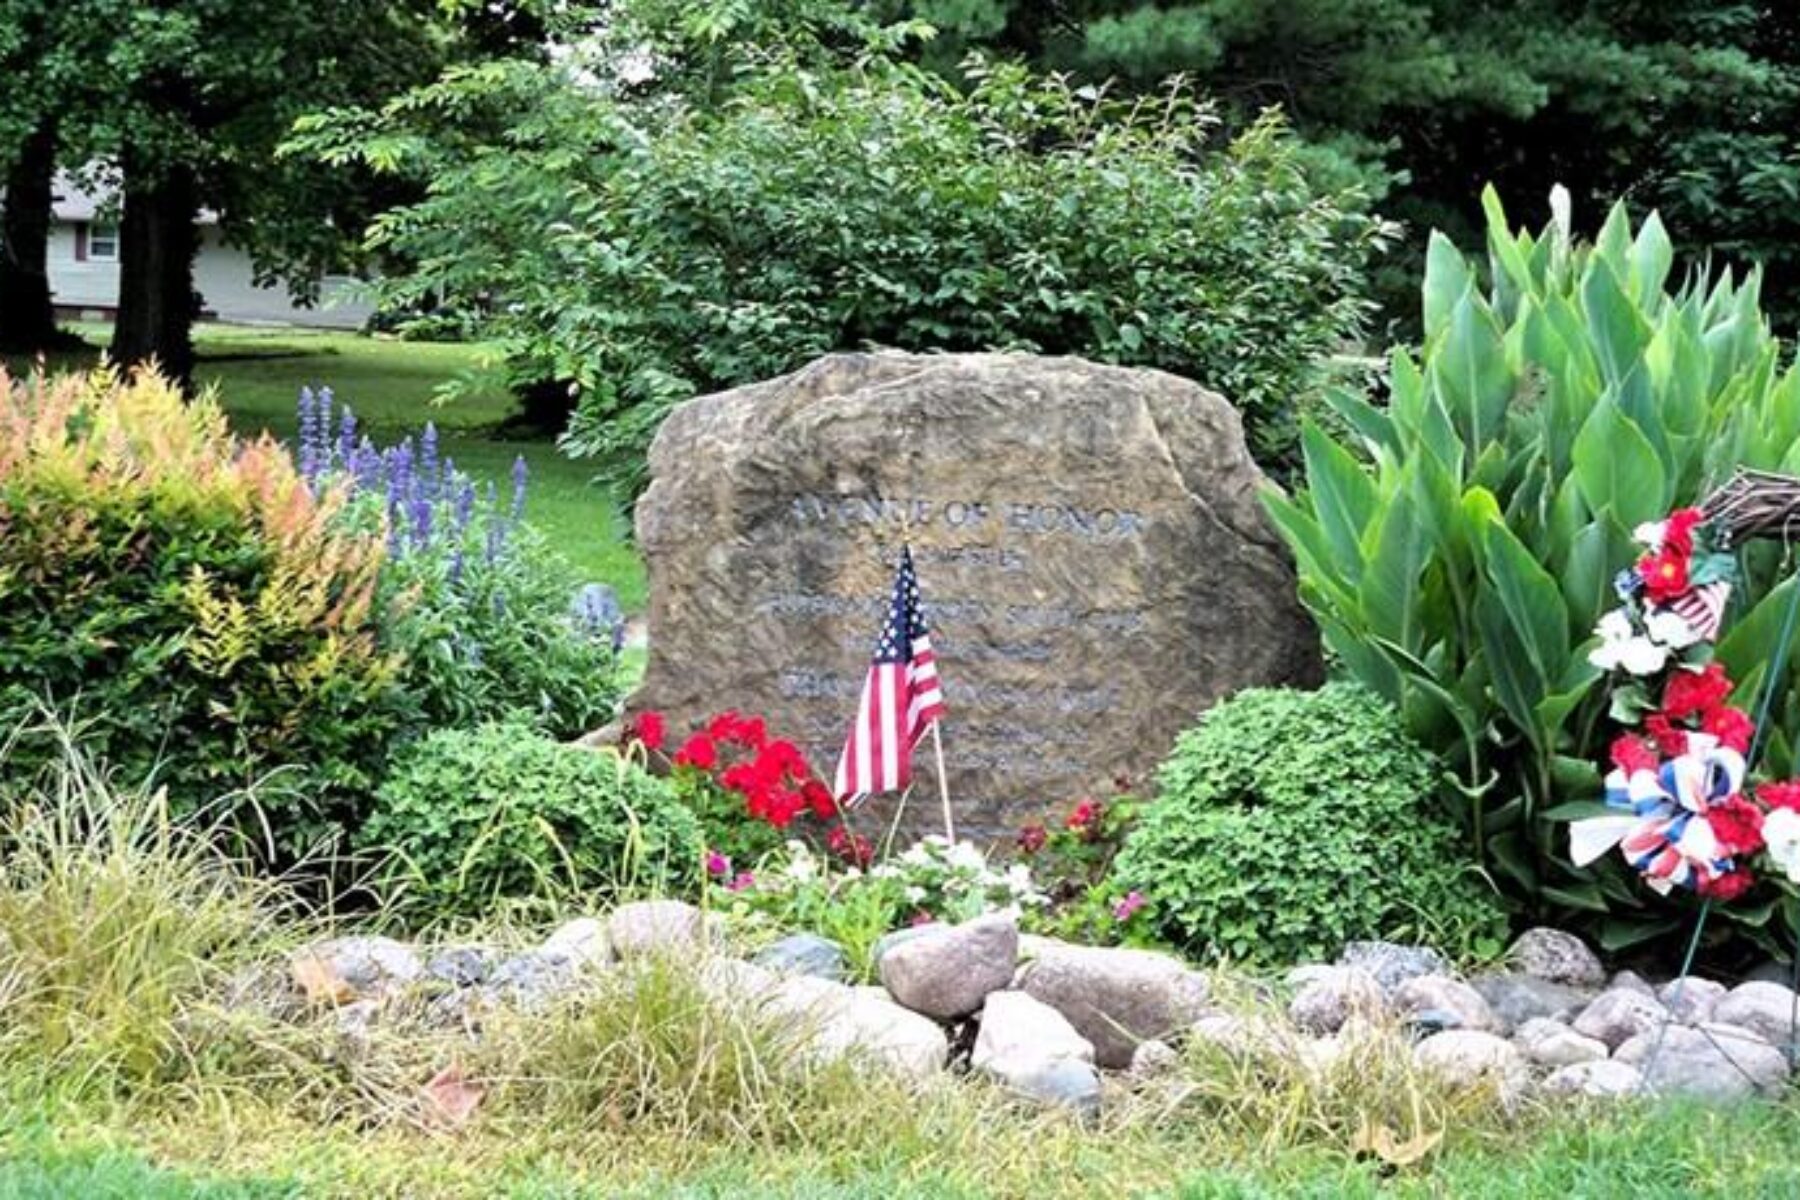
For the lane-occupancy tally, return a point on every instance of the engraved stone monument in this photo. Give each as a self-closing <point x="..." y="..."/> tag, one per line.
<point x="1094" y="564"/>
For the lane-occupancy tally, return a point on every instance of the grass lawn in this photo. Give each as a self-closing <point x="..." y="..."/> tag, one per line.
<point x="389" y="385"/>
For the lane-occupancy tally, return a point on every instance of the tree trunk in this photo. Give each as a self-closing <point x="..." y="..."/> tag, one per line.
<point x="27" y="321"/>
<point x="157" y="244"/>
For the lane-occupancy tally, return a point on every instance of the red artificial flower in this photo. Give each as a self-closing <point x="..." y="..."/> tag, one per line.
<point x="1084" y="814"/>
<point x="1032" y="838"/>
<point x="1727" y="886"/>
<point x="1632" y="754"/>
<point x="1665" y="575"/>
<point x="1692" y="693"/>
<point x="698" y="751"/>
<point x="1732" y="726"/>
<point x="779" y="757"/>
<point x="818" y="797"/>
<point x="1780" y="795"/>
<point x="723" y="727"/>
<point x="1670" y="740"/>
<point x="743" y="778"/>
<point x="1737" y="825"/>
<point x="1678" y="531"/>
<point x="649" y="729"/>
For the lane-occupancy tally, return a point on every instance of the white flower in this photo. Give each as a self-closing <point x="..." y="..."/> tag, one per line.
<point x="914" y="894"/>
<point x="1620" y="646"/>
<point x="886" y="871"/>
<point x="1650" y="534"/>
<point x="918" y="855"/>
<point x="1671" y="629"/>
<point x="1018" y="879"/>
<point x="1781" y="830"/>
<point x="966" y="856"/>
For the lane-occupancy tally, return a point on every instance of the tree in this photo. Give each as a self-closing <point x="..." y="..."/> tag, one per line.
<point x="1693" y="105"/>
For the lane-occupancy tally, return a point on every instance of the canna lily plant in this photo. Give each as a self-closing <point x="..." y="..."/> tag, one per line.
<point x="1457" y="546"/>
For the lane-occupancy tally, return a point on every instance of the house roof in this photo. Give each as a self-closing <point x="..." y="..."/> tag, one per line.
<point x="83" y="197"/>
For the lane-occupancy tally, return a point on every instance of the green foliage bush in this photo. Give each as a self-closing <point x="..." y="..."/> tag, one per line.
<point x="472" y="817"/>
<point x="1458" y="550"/>
<point x="1289" y="822"/>
<point x="651" y="250"/>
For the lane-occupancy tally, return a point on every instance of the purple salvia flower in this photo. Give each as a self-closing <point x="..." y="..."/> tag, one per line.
<point x="308" y="470"/>
<point x="418" y="513"/>
<point x="463" y="510"/>
<point x="367" y="467"/>
<point x="456" y="566"/>
<point x="322" y="432"/>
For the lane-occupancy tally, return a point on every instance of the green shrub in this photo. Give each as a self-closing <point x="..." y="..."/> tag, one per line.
<point x="652" y="249"/>
<point x="471" y="817"/>
<point x="190" y="602"/>
<point x="1288" y="823"/>
<point x="1458" y="554"/>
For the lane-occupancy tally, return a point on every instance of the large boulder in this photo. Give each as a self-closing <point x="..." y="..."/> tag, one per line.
<point x="833" y="1022"/>
<point x="1328" y="998"/>
<point x="349" y="969"/>
<point x="949" y="971"/>
<point x="1117" y="998"/>
<point x="1034" y="1051"/>
<point x="1440" y="1002"/>
<point x="1092" y="553"/>
<point x="1516" y="999"/>
<point x="1559" y="957"/>
<point x="1465" y="1058"/>
<point x="1391" y="964"/>
<point x="645" y="927"/>
<point x="1710" y="1062"/>
<point x="1765" y="1009"/>
<point x="1617" y="1016"/>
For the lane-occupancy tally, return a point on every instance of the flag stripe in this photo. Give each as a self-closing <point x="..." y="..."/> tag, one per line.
<point x="901" y="698"/>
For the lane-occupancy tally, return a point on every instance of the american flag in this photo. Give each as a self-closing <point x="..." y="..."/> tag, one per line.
<point x="900" y="698"/>
<point x="1703" y="608"/>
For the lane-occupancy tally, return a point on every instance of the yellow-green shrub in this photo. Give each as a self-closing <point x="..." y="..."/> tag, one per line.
<point x="189" y="599"/>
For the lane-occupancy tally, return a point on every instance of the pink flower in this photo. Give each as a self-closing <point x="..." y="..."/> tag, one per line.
<point x="744" y="881"/>
<point x="1124" y="909"/>
<point x="717" y="865"/>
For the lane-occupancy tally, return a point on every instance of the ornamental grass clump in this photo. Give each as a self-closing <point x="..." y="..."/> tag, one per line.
<point x="1287" y="823"/>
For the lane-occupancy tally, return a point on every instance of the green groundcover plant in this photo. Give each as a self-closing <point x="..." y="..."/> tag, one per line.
<point x="1287" y="823"/>
<point x="473" y="818"/>
<point x="1459" y="547"/>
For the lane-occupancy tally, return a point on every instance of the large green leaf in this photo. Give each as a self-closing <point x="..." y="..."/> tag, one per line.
<point x="1344" y="498"/>
<point x="1446" y="280"/>
<point x="1618" y="469"/>
<point x="1620" y="332"/>
<point x="1390" y="591"/>
<point x="1470" y="372"/>
<point x="1531" y="598"/>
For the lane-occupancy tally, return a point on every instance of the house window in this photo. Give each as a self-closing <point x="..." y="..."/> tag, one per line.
<point x="103" y="242"/>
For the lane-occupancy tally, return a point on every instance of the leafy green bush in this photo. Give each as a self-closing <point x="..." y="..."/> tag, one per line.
<point x="190" y="602"/>
<point x="1290" y="822"/>
<point x="501" y="812"/>
<point x="1458" y="554"/>
<point x="649" y="250"/>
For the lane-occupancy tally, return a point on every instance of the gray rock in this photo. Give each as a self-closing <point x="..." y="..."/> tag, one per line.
<point x="1617" y="1016"/>
<point x="1630" y="981"/>
<point x="1060" y="1083"/>
<point x="581" y="941"/>
<point x="1034" y="1051"/>
<point x="948" y="973"/>
<point x="834" y="1022"/>
<point x="654" y="927"/>
<point x="1117" y="508"/>
<point x="1391" y="963"/>
<point x="1710" y="1062"/>
<point x="1559" y="957"/>
<point x="1243" y="1037"/>
<point x="1306" y="973"/>
<point x="899" y="937"/>
<point x="1153" y="1059"/>
<point x="460" y="966"/>
<point x="1691" y="1000"/>
<point x="1451" y="1003"/>
<point x="369" y="967"/>
<point x="531" y="979"/>
<point x="1516" y="999"/>
<point x="1765" y="1009"/>
<point x="1117" y="998"/>
<point x="1323" y="1005"/>
<point x="1598" y="1078"/>
<point x="1553" y="1044"/>
<point x="1464" y="1058"/>
<point x="805" y="954"/>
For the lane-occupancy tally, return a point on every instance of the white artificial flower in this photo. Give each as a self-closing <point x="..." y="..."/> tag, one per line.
<point x="1671" y="629"/>
<point x="1781" y="831"/>
<point x="1650" y="534"/>
<point x="1621" y="646"/>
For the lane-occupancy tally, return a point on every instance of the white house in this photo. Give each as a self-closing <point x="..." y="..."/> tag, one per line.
<point x="84" y="271"/>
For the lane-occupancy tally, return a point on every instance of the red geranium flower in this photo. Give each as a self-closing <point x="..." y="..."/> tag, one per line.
<point x="722" y="727"/>
<point x="1780" y="795"/>
<point x="818" y="797"/>
<point x="1670" y="740"/>
<point x="781" y="756"/>
<point x="1678" y="531"/>
<point x="698" y="751"/>
<point x="1665" y="575"/>
<point x="781" y="806"/>
<point x="1737" y="824"/>
<point x="1632" y="754"/>
<point x="854" y="849"/>
<point x="1727" y="887"/>
<point x="649" y="729"/>
<point x="1084" y="814"/>
<point x="743" y="778"/>
<point x="1732" y="726"/>
<point x="1690" y="693"/>
<point x="1032" y="838"/>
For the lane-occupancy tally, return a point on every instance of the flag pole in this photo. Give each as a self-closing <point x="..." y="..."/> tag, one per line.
<point x="937" y="743"/>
